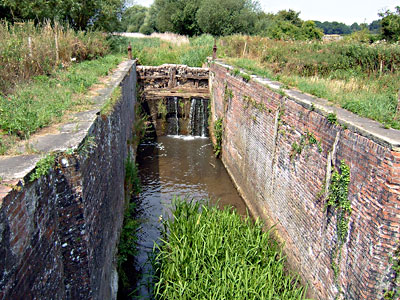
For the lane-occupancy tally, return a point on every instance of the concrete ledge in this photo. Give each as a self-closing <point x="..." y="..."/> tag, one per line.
<point x="363" y="126"/>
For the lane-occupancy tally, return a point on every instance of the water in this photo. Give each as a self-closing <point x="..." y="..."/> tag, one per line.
<point x="176" y="166"/>
<point x="198" y="117"/>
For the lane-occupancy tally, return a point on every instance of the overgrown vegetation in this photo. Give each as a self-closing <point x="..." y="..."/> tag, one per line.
<point x="338" y="200"/>
<point x="28" y="50"/>
<point x="361" y="78"/>
<point x="393" y="292"/>
<point x="154" y="52"/>
<point x="45" y="72"/>
<point x="108" y="107"/>
<point x="218" y="131"/>
<point x="127" y="247"/>
<point x="43" y="167"/>
<point x="207" y="253"/>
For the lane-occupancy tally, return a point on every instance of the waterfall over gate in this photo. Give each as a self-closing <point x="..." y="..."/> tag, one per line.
<point x="195" y="123"/>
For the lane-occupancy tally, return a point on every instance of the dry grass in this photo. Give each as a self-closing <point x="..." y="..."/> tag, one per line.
<point x="27" y="50"/>
<point x="166" y="36"/>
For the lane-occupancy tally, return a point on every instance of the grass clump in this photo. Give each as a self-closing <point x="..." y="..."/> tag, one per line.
<point x="207" y="253"/>
<point x="42" y="167"/>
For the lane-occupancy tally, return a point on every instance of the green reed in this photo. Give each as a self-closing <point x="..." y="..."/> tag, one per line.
<point x="207" y="253"/>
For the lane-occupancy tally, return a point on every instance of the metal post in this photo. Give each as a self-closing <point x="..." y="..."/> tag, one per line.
<point x="130" y="51"/>
<point x="214" y="56"/>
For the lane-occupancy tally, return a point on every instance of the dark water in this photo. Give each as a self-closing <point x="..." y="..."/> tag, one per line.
<point x="176" y="166"/>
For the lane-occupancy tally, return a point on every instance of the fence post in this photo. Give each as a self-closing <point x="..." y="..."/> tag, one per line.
<point x="214" y="56"/>
<point x="130" y="51"/>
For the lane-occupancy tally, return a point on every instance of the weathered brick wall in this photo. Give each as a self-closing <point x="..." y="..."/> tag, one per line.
<point x="58" y="234"/>
<point x="285" y="188"/>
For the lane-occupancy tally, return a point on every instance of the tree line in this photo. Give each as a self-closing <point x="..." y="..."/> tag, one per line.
<point x="224" y="17"/>
<point x="192" y="17"/>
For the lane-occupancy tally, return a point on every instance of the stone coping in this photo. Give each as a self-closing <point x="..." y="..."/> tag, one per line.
<point x="67" y="136"/>
<point x="363" y="126"/>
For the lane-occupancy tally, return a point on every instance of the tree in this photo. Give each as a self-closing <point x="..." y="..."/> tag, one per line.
<point x="177" y="16"/>
<point x="390" y="25"/>
<point x="225" y="17"/>
<point x="133" y="18"/>
<point x="80" y="14"/>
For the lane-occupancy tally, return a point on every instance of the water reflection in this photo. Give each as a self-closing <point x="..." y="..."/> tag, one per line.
<point x="176" y="166"/>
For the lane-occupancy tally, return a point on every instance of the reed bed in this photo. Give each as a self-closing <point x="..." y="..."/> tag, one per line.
<point x="207" y="253"/>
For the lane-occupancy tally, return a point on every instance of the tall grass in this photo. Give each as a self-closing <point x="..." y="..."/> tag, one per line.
<point x="359" y="77"/>
<point x="154" y="52"/>
<point x="27" y="50"/>
<point x="207" y="253"/>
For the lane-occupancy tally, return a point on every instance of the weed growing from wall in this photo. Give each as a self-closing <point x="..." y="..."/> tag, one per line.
<point x="43" y="167"/>
<point x="253" y="103"/>
<point x="109" y="105"/>
<point x="228" y="94"/>
<point x="218" y="131"/>
<point x="332" y="118"/>
<point x="162" y="109"/>
<point x="86" y="146"/>
<point x="132" y="180"/>
<point x="338" y="200"/>
<point x="393" y="293"/>
<point x="139" y="125"/>
<point x="306" y="139"/>
<point x="127" y="246"/>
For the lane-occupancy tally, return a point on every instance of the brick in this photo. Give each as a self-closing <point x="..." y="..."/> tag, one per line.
<point x="291" y="195"/>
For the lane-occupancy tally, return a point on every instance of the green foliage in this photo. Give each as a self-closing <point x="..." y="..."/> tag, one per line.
<point x="394" y="293"/>
<point x="43" y="167"/>
<point x="390" y="25"/>
<point x="154" y="52"/>
<point x="127" y="246"/>
<point x="43" y="101"/>
<point x="80" y="14"/>
<point x="228" y="94"/>
<point x="226" y="17"/>
<point x="133" y="18"/>
<point x="162" y="108"/>
<point x="29" y="50"/>
<point x="86" y="146"/>
<point x="307" y="139"/>
<point x="132" y="180"/>
<point x="246" y="77"/>
<point x="338" y="200"/>
<point x="218" y="132"/>
<point x="332" y="118"/>
<point x="108" y="106"/>
<point x="249" y="101"/>
<point x="207" y="253"/>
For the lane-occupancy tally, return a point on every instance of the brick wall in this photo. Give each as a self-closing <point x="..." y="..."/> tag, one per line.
<point x="287" y="188"/>
<point x="58" y="234"/>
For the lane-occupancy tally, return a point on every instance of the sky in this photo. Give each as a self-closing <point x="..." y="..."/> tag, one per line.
<point x="345" y="11"/>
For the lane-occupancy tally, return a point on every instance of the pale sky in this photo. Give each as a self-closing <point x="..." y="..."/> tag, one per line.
<point x="346" y="11"/>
